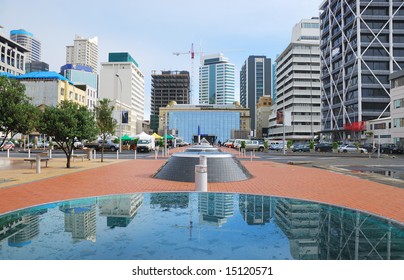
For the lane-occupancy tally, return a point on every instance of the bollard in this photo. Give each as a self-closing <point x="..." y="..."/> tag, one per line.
<point x="29" y="153"/>
<point x="117" y="154"/>
<point x="50" y="153"/>
<point x="155" y="154"/>
<point x="203" y="160"/>
<point x="8" y="153"/>
<point x="135" y="153"/>
<point x="38" y="164"/>
<point x="95" y="153"/>
<point x="201" y="178"/>
<point x="251" y="155"/>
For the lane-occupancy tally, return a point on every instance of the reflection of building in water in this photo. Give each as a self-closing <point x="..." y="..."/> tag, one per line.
<point x="120" y="210"/>
<point x="215" y="208"/>
<point x="169" y="200"/>
<point x="255" y="209"/>
<point x="80" y="220"/>
<point x="29" y="230"/>
<point x="10" y="225"/>
<point x="300" y="222"/>
<point x="350" y="235"/>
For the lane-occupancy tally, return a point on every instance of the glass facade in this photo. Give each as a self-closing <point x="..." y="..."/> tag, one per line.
<point x="217" y="123"/>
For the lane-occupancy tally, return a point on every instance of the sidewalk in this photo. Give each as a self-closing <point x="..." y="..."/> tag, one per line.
<point x="93" y="178"/>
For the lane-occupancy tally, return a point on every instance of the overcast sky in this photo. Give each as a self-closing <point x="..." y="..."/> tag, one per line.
<point x="151" y="30"/>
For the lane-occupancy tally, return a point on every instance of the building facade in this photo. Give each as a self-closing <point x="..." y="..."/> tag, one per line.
<point x="362" y="42"/>
<point x="397" y="108"/>
<point x="12" y="57"/>
<point x="216" y="80"/>
<point x="27" y="40"/>
<point x="263" y="112"/>
<point x="84" y="78"/>
<point x="122" y="82"/>
<point x="218" y="122"/>
<point x="165" y="87"/>
<point x="255" y="82"/>
<point x="83" y="52"/>
<point x="298" y="84"/>
<point x="50" y="88"/>
<point x="36" y="66"/>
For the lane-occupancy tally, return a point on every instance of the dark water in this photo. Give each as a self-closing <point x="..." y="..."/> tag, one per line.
<point x="205" y="226"/>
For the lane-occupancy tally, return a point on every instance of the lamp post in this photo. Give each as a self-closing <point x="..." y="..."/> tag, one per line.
<point x="120" y="114"/>
<point x="165" y="133"/>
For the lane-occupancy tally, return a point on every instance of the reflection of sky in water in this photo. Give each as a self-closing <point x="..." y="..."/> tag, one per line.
<point x="195" y="226"/>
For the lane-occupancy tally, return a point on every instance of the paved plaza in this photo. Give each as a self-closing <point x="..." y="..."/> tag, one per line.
<point x="21" y="187"/>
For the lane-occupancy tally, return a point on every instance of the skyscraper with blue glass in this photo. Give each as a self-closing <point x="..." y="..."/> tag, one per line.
<point x="216" y="80"/>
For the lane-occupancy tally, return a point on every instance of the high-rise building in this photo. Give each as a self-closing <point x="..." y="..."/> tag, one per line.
<point x="216" y="80"/>
<point x="122" y="82"/>
<point x="27" y="40"/>
<point x="298" y="84"/>
<point x="362" y="42"/>
<point x="36" y="66"/>
<point x="83" y="52"/>
<point x="255" y="82"/>
<point x="12" y="57"/>
<point x="168" y="86"/>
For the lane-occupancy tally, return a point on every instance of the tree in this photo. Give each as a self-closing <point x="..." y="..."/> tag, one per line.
<point x="68" y="123"/>
<point x="106" y="124"/>
<point x="17" y="114"/>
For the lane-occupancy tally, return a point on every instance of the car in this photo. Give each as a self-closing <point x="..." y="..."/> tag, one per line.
<point x="254" y="145"/>
<point x="323" y="147"/>
<point x="8" y="145"/>
<point x="301" y="148"/>
<point x="181" y="143"/>
<point x="229" y="143"/>
<point x="368" y="146"/>
<point x="389" y="148"/>
<point x="352" y="149"/>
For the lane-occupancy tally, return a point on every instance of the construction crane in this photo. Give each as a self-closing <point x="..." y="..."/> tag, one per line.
<point x="192" y="53"/>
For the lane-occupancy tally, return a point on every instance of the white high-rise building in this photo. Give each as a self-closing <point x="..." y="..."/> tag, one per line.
<point x="12" y="57"/>
<point x="27" y="40"/>
<point x="83" y="52"/>
<point x="216" y="80"/>
<point x="122" y="82"/>
<point x="298" y="84"/>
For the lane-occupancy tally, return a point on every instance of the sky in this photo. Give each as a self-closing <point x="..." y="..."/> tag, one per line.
<point x="151" y="30"/>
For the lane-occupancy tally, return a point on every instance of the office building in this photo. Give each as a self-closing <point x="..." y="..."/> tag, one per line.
<point x="165" y="87"/>
<point x="362" y="43"/>
<point x="255" y="82"/>
<point x="27" y="40"/>
<point x="83" y="52"/>
<point x="298" y="84"/>
<point x="36" y="66"/>
<point x="397" y="108"/>
<point x="122" y="81"/>
<point x="213" y="122"/>
<point x="83" y="77"/>
<point x="216" y="80"/>
<point x="12" y="57"/>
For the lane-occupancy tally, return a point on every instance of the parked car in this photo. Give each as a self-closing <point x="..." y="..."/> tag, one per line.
<point x="8" y="145"/>
<point x="388" y="148"/>
<point x="368" y="146"/>
<point x="323" y="147"/>
<point x="352" y="149"/>
<point x="145" y="145"/>
<point x="229" y="143"/>
<point x="254" y="145"/>
<point x="181" y="143"/>
<point x="301" y="148"/>
<point x="109" y="145"/>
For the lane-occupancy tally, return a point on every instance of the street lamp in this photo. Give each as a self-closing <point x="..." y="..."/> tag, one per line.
<point x="120" y="114"/>
<point x="164" y="120"/>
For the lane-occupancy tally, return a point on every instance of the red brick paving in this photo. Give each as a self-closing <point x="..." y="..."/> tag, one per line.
<point x="270" y="178"/>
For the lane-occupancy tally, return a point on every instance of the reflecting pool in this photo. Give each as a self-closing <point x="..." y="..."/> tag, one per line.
<point x="159" y="226"/>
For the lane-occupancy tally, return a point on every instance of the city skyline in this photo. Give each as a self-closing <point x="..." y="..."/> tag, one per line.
<point x="251" y="28"/>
